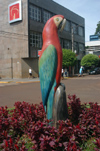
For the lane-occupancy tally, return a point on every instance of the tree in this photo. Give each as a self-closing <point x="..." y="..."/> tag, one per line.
<point x="69" y="58"/>
<point x="97" y="32"/>
<point x="90" y="60"/>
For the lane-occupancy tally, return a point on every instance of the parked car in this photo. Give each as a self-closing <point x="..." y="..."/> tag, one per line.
<point x="95" y="71"/>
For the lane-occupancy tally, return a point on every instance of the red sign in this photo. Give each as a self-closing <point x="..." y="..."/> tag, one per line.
<point x="39" y="52"/>
<point x="14" y="12"/>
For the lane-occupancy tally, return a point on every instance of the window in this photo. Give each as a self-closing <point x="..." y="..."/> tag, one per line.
<point x="81" y="47"/>
<point x="35" y="39"/>
<point x="74" y="28"/>
<point x="61" y="42"/>
<point x="46" y="16"/>
<point x="35" y="13"/>
<point x="76" y="47"/>
<point x="80" y="31"/>
<point x="66" y="44"/>
<point x="67" y="26"/>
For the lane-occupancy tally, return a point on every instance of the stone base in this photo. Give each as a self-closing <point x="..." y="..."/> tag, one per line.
<point x="60" y="110"/>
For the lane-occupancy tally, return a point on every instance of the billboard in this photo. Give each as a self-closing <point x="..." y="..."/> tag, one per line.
<point x="94" y="37"/>
<point x="15" y="12"/>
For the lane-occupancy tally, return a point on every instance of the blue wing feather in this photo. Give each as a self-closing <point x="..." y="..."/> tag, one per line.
<point x="47" y="71"/>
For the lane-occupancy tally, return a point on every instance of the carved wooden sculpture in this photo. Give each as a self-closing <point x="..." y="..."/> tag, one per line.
<point x="50" y="62"/>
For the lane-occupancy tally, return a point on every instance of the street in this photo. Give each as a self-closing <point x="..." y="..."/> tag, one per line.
<point x="87" y="88"/>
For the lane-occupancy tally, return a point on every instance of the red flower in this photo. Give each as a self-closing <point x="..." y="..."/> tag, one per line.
<point x="16" y="146"/>
<point x="11" y="140"/>
<point x="78" y="126"/>
<point x="96" y="122"/>
<point x="6" y="143"/>
<point x="74" y="147"/>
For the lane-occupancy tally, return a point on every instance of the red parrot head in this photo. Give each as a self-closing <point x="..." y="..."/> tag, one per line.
<point x="52" y="26"/>
<point x="55" y="23"/>
<point x="59" y="21"/>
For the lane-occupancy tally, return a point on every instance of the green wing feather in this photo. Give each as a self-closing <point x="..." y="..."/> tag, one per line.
<point x="47" y="71"/>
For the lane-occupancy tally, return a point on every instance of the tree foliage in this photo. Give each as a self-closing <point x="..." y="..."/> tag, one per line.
<point x="69" y="58"/>
<point x="97" y="32"/>
<point x="90" y="60"/>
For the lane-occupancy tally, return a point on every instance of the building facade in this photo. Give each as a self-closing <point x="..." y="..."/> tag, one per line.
<point x="21" y="39"/>
<point x="93" y="47"/>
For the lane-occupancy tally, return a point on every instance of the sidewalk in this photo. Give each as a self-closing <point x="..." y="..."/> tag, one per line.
<point x="21" y="80"/>
<point x="27" y="80"/>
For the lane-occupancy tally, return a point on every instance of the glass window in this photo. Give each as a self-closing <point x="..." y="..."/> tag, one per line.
<point x="81" y="47"/>
<point x="46" y="16"/>
<point x="66" y="44"/>
<point x="35" y="13"/>
<point x="61" y="42"/>
<point x="35" y="39"/>
<point x="67" y="26"/>
<point x="74" y="28"/>
<point x="80" y="31"/>
<point x="76" y="47"/>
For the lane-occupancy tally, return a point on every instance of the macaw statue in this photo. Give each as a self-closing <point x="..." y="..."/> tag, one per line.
<point x="50" y="62"/>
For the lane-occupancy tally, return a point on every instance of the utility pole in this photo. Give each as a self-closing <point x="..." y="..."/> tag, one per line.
<point x="72" y="40"/>
<point x="72" y="49"/>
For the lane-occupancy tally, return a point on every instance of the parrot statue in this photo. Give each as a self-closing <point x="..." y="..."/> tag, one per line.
<point x="50" y="62"/>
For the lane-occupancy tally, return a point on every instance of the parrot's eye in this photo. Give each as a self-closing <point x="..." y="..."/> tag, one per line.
<point x="57" y="19"/>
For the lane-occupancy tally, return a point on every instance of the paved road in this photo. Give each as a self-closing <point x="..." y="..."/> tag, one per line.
<point x="87" y="88"/>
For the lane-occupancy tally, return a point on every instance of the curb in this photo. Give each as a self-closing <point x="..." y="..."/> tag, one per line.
<point x="27" y="81"/>
<point x="70" y="77"/>
<point x="6" y="81"/>
<point x="18" y="81"/>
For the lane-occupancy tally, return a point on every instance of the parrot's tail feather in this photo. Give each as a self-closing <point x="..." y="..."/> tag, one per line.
<point x="45" y="108"/>
<point x="50" y="102"/>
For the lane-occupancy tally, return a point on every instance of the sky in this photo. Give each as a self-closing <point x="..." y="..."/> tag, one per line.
<point x="88" y="9"/>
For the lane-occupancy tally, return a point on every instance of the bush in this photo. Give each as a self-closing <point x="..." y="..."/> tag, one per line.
<point x="69" y="58"/>
<point x="25" y="127"/>
<point x="90" y="60"/>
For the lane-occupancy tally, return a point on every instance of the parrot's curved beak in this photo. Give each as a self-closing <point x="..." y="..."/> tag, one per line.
<point x="62" y="24"/>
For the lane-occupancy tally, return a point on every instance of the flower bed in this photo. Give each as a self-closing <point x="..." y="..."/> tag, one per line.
<point x="25" y="128"/>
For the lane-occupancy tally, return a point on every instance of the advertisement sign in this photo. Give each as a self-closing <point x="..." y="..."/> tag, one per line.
<point x="15" y="12"/>
<point x="39" y="52"/>
<point x="94" y="37"/>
